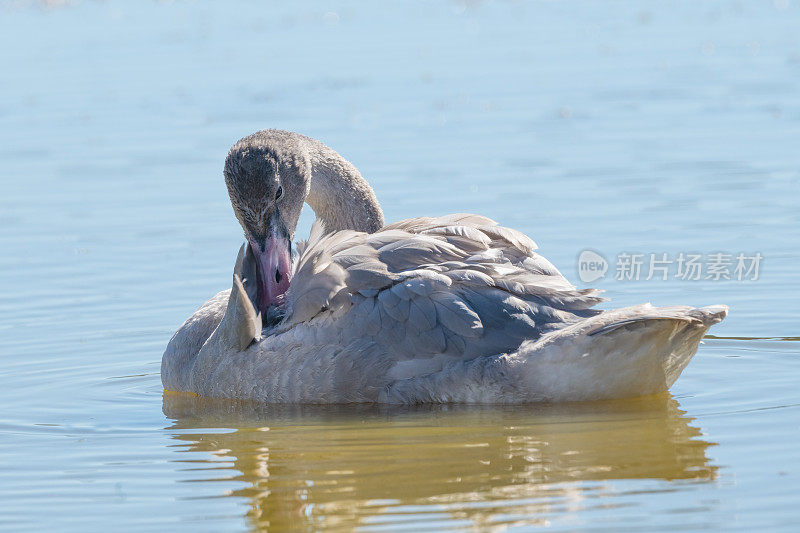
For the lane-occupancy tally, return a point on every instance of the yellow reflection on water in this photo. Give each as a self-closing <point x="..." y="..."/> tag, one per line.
<point x="447" y="465"/>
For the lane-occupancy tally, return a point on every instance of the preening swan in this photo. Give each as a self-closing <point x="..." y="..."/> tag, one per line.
<point x="448" y="309"/>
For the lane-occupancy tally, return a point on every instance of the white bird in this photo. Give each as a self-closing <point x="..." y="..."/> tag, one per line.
<point x="448" y="309"/>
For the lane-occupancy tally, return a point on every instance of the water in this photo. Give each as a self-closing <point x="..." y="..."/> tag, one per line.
<point x="664" y="128"/>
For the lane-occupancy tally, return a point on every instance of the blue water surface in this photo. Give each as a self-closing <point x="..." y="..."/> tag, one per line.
<point x="659" y="128"/>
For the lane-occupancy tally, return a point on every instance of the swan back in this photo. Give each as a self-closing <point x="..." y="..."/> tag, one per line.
<point x="458" y="286"/>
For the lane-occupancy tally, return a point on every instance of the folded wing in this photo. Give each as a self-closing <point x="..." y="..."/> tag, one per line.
<point x="432" y="290"/>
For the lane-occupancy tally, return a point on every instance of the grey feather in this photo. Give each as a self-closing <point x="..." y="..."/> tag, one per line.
<point x="431" y="341"/>
<point x="422" y="314"/>
<point x="388" y="298"/>
<point x="400" y="311"/>
<point x="454" y="314"/>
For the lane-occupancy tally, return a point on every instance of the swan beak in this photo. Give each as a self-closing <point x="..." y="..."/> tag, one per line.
<point x="273" y="270"/>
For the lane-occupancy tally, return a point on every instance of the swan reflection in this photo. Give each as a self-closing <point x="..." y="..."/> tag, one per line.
<point x="346" y="466"/>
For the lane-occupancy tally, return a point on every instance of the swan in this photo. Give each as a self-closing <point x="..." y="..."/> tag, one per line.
<point x="453" y="309"/>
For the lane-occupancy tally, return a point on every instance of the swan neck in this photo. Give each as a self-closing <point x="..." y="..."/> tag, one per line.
<point x="339" y="195"/>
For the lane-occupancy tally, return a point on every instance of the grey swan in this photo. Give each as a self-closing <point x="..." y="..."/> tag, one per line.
<point x="425" y="310"/>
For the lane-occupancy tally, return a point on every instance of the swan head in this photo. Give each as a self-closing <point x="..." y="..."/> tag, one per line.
<point x="267" y="183"/>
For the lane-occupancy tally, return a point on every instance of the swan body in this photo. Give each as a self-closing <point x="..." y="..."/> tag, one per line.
<point x="448" y="309"/>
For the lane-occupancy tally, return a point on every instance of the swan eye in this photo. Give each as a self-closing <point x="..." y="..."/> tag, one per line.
<point x="279" y="192"/>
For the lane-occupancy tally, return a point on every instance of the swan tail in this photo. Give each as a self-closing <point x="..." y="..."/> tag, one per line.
<point x="633" y="351"/>
<point x="626" y="352"/>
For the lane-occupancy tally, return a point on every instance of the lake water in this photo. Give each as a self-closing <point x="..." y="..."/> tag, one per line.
<point x="621" y="128"/>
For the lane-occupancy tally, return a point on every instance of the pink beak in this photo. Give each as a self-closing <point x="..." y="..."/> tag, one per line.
<point x="273" y="271"/>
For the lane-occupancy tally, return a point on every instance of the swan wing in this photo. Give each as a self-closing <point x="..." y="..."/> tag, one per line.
<point x="431" y="290"/>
